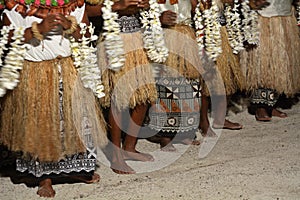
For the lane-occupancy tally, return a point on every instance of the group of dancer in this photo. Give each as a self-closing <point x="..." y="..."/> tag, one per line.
<point x="152" y="73"/>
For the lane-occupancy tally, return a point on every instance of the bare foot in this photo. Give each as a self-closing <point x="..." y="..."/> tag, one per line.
<point x="228" y="125"/>
<point x="278" y="113"/>
<point x="166" y="144"/>
<point x="137" y="156"/>
<point x="262" y="115"/>
<point x="118" y="164"/>
<point x="95" y="178"/>
<point x="205" y="128"/>
<point x="45" y="189"/>
<point x="189" y="141"/>
<point x="206" y="131"/>
<point x="169" y="148"/>
<point x="120" y="167"/>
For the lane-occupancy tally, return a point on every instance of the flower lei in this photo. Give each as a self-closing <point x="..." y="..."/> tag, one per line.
<point x="234" y="27"/>
<point x="113" y="42"/>
<point x="208" y="31"/>
<point x="45" y="2"/>
<point x="85" y="60"/>
<point x="199" y="26"/>
<point x="250" y="24"/>
<point x="2" y="4"/>
<point x="13" y="63"/>
<point x="153" y="36"/>
<point x="298" y="13"/>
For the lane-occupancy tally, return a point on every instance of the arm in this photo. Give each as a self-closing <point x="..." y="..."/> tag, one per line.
<point x="168" y="18"/>
<point x="258" y="4"/>
<point x="194" y="5"/>
<point x="45" y="26"/>
<point x="122" y="7"/>
<point x="93" y="10"/>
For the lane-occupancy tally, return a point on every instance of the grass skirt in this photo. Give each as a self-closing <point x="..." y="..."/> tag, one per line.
<point x="134" y="84"/>
<point x="275" y="63"/>
<point x="45" y="123"/>
<point x="178" y="83"/>
<point x="183" y="56"/>
<point x="228" y="77"/>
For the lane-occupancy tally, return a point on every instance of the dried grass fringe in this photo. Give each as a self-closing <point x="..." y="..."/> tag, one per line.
<point x="30" y="118"/>
<point x="228" y="78"/>
<point x="275" y="63"/>
<point x="183" y="57"/>
<point x="134" y="84"/>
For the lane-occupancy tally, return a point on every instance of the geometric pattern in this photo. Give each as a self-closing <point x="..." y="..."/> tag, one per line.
<point x="264" y="96"/>
<point x="177" y="108"/>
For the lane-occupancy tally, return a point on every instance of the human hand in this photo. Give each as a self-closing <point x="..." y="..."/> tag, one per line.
<point x="168" y="18"/>
<point x="143" y="4"/>
<point x="48" y="24"/>
<point x="63" y="21"/>
<point x="206" y="4"/>
<point x="125" y="4"/>
<point x="258" y="4"/>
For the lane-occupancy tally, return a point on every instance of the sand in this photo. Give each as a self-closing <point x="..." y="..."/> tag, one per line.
<point x="261" y="161"/>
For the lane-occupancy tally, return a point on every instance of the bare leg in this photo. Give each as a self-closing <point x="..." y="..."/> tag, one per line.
<point x="95" y="178"/>
<point x="165" y="142"/>
<point x="118" y="164"/>
<point x="45" y="188"/>
<point x="261" y="114"/>
<point x="137" y="118"/>
<point x="219" y="118"/>
<point x="204" y="125"/>
<point x="278" y="113"/>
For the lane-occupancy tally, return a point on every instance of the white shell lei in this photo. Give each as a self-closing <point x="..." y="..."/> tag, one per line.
<point x="113" y="43"/>
<point x="234" y="27"/>
<point x="298" y="14"/>
<point x="13" y="63"/>
<point x="199" y="26"/>
<point x="153" y="36"/>
<point x="83" y="53"/>
<point x="85" y="60"/>
<point x="208" y="31"/>
<point x="250" y="24"/>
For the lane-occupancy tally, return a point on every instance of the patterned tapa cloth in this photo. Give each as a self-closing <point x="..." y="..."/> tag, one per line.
<point x="177" y="108"/>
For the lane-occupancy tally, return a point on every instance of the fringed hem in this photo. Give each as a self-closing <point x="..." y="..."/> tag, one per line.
<point x="134" y="84"/>
<point x="31" y="117"/>
<point x="183" y="56"/>
<point x="226" y="77"/>
<point x="275" y="63"/>
<point x="229" y="67"/>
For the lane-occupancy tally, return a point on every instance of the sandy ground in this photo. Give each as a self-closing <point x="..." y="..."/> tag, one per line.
<point x="261" y="161"/>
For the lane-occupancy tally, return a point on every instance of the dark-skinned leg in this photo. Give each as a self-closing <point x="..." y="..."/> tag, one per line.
<point x="45" y="188"/>
<point x="137" y="118"/>
<point x="118" y="164"/>
<point x="204" y="125"/>
<point x="278" y="113"/>
<point x="220" y="113"/>
<point x="164" y="142"/>
<point x="262" y="114"/>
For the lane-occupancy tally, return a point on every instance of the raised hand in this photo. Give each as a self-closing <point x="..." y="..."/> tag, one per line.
<point x="258" y="4"/>
<point x="143" y="4"/>
<point x="168" y="18"/>
<point x="125" y="4"/>
<point x="206" y="4"/>
<point x="63" y="21"/>
<point x="48" y="24"/>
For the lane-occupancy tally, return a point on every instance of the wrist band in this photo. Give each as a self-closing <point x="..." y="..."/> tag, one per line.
<point x="35" y="31"/>
<point x="73" y="27"/>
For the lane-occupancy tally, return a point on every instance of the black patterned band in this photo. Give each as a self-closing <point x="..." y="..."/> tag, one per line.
<point x="264" y="96"/>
